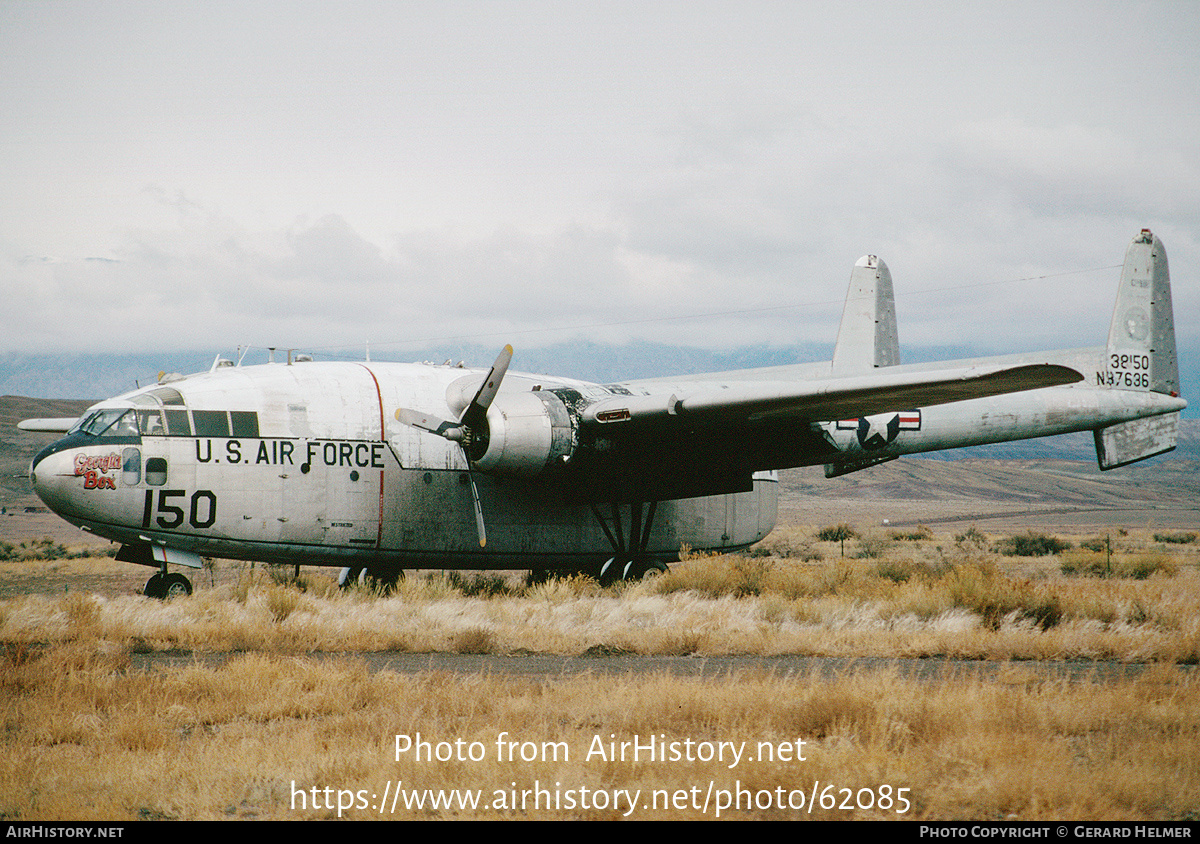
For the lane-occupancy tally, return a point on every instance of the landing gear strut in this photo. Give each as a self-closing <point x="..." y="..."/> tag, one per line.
<point x="629" y="560"/>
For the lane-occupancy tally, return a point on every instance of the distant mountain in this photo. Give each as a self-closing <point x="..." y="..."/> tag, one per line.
<point x="100" y="376"/>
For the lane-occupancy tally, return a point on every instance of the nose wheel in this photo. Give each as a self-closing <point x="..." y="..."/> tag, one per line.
<point x="166" y="586"/>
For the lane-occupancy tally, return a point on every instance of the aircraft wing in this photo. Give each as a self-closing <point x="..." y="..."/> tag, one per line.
<point x="829" y="399"/>
<point x="49" y="426"/>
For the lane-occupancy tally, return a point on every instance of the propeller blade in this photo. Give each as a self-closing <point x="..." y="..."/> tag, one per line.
<point x="475" y="414"/>
<point x="432" y="424"/>
<point x="478" y="510"/>
<point x="470" y="429"/>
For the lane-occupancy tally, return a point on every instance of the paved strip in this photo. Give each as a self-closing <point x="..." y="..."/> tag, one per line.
<point x="551" y="666"/>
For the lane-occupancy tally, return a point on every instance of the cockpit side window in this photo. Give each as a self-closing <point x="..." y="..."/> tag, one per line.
<point x="79" y="426"/>
<point x="125" y="426"/>
<point x="101" y="421"/>
<point x="151" y="423"/>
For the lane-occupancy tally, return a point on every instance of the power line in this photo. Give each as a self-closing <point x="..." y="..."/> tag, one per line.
<point x="706" y="315"/>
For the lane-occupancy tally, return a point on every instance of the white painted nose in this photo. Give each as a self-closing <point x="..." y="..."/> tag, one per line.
<point x="53" y="478"/>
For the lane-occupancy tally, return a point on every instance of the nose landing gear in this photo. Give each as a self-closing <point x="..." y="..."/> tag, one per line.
<point x="165" y="586"/>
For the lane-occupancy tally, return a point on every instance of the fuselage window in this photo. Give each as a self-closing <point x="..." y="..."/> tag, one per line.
<point x="156" y="471"/>
<point x="211" y="423"/>
<point x="178" y="424"/>
<point x="131" y="466"/>
<point x="244" y="423"/>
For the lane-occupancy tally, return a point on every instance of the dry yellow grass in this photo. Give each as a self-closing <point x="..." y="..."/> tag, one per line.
<point x="264" y="736"/>
<point x="917" y="599"/>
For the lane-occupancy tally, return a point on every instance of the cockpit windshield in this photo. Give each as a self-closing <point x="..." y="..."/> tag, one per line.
<point x="109" y="422"/>
<point x="147" y="419"/>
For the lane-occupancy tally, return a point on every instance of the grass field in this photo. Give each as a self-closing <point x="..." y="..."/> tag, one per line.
<point x="278" y="733"/>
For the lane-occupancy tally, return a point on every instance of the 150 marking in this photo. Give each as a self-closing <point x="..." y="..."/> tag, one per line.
<point x="202" y="513"/>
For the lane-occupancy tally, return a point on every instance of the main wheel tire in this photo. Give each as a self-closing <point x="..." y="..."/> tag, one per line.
<point x="350" y="576"/>
<point x="384" y="578"/>
<point x="155" y="587"/>
<point x="176" y="586"/>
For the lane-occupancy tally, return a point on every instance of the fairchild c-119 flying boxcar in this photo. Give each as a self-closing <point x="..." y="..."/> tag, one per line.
<point x="391" y="466"/>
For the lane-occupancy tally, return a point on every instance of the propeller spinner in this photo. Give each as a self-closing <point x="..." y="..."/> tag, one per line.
<point x="471" y="429"/>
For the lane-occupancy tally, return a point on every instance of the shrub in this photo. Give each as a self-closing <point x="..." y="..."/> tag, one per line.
<point x="1032" y="545"/>
<point x="35" y="549"/>
<point x="282" y="602"/>
<point x="993" y="596"/>
<point x="474" y="641"/>
<point x="836" y="533"/>
<point x="1096" y="564"/>
<point x="895" y="570"/>
<point x="870" y="547"/>
<point x="920" y="533"/>
<point x="1181" y="538"/>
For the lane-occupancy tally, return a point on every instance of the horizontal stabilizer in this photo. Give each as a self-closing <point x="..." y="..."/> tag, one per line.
<point x="1129" y="442"/>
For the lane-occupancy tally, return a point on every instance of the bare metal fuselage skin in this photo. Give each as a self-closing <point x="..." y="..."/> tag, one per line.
<point x="330" y="479"/>
<point x="312" y="462"/>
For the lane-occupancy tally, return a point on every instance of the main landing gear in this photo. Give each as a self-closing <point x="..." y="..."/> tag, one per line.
<point x="379" y="576"/>
<point x="166" y="585"/>
<point x="630" y="560"/>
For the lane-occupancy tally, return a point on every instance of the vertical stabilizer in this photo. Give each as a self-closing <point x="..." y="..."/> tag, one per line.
<point x="1141" y="340"/>
<point x="867" y="337"/>
<point x="1141" y="355"/>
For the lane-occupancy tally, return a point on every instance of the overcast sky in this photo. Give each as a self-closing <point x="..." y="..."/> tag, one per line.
<point x="318" y="175"/>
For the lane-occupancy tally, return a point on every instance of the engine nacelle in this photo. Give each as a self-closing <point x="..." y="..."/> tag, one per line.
<point x="528" y="433"/>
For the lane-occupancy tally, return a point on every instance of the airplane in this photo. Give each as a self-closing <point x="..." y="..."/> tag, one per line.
<point x="393" y="466"/>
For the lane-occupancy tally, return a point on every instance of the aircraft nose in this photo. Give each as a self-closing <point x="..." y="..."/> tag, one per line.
<point x="52" y="475"/>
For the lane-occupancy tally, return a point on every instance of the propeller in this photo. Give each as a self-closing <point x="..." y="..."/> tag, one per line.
<point x="471" y="429"/>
